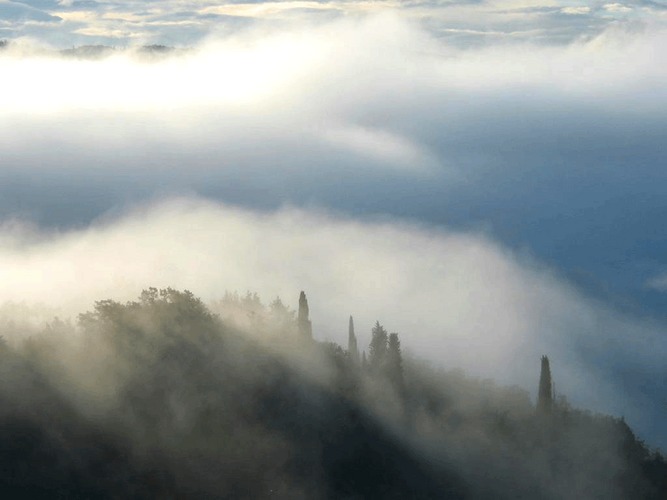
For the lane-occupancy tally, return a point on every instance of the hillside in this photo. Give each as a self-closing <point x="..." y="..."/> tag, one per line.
<point x="165" y="397"/>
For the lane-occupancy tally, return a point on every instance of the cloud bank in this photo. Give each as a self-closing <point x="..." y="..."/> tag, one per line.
<point x="528" y="152"/>
<point x="551" y="148"/>
<point x="457" y="299"/>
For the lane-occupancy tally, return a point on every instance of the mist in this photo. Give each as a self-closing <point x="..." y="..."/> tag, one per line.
<point x="158" y="396"/>
<point x="481" y="179"/>
<point x="540" y="144"/>
<point x="459" y="300"/>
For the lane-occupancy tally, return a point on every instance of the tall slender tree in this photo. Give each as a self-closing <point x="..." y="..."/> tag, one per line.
<point x="544" y="394"/>
<point x="352" y="343"/>
<point x="303" y="322"/>
<point x="394" y="364"/>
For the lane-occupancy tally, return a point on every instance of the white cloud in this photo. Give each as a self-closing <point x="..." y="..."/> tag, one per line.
<point x="575" y="11"/>
<point x="617" y="8"/>
<point x="457" y="299"/>
<point x="256" y="107"/>
<point x="303" y="89"/>
<point x="389" y="148"/>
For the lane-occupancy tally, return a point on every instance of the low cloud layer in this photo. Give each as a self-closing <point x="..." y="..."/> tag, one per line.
<point x="551" y="148"/>
<point x="457" y="299"/>
<point x="528" y="153"/>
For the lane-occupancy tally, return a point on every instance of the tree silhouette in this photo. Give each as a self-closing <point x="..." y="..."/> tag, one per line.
<point x="304" y="324"/>
<point x="352" y="343"/>
<point x="167" y="400"/>
<point x="377" y="350"/>
<point x="281" y="317"/>
<point x="545" y="396"/>
<point x="394" y="365"/>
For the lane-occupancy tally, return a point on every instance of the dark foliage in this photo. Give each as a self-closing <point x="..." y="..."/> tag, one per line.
<point x="160" y="49"/>
<point x="161" y="398"/>
<point x="88" y="52"/>
<point x="378" y="348"/>
<point x="544" y="392"/>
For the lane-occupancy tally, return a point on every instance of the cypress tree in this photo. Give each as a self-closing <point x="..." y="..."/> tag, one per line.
<point x="545" y="395"/>
<point x="303" y="322"/>
<point x="394" y="365"/>
<point x="352" y="343"/>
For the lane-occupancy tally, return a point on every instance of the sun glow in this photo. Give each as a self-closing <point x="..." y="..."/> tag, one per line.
<point x="218" y="73"/>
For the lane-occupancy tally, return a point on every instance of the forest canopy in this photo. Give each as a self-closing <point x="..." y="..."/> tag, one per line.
<point x="167" y="397"/>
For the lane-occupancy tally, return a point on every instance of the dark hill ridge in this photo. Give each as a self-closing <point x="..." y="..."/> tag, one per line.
<point x="162" y="398"/>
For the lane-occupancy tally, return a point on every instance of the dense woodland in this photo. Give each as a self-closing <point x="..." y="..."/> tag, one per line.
<point x="164" y="397"/>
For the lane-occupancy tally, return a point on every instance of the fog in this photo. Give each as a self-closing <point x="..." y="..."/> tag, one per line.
<point x="489" y="202"/>
<point x="156" y="395"/>
<point x="551" y="148"/>
<point x="393" y="96"/>
<point x="459" y="300"/>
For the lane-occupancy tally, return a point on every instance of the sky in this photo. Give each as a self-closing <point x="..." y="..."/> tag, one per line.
<point x="486" y="178"/>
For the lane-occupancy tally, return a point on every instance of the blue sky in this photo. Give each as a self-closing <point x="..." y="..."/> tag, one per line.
<point x="530" y="134"/>
<point x="464" y="23"/>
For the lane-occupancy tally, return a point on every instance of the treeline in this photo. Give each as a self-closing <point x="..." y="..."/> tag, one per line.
<point x="96" y="52"/>
<point x="102" y="51"/>
<point x="164" y="397"/>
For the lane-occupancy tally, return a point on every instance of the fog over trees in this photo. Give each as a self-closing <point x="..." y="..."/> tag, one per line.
<point x="166" y="397"/>
<point x="449" y="217"/>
